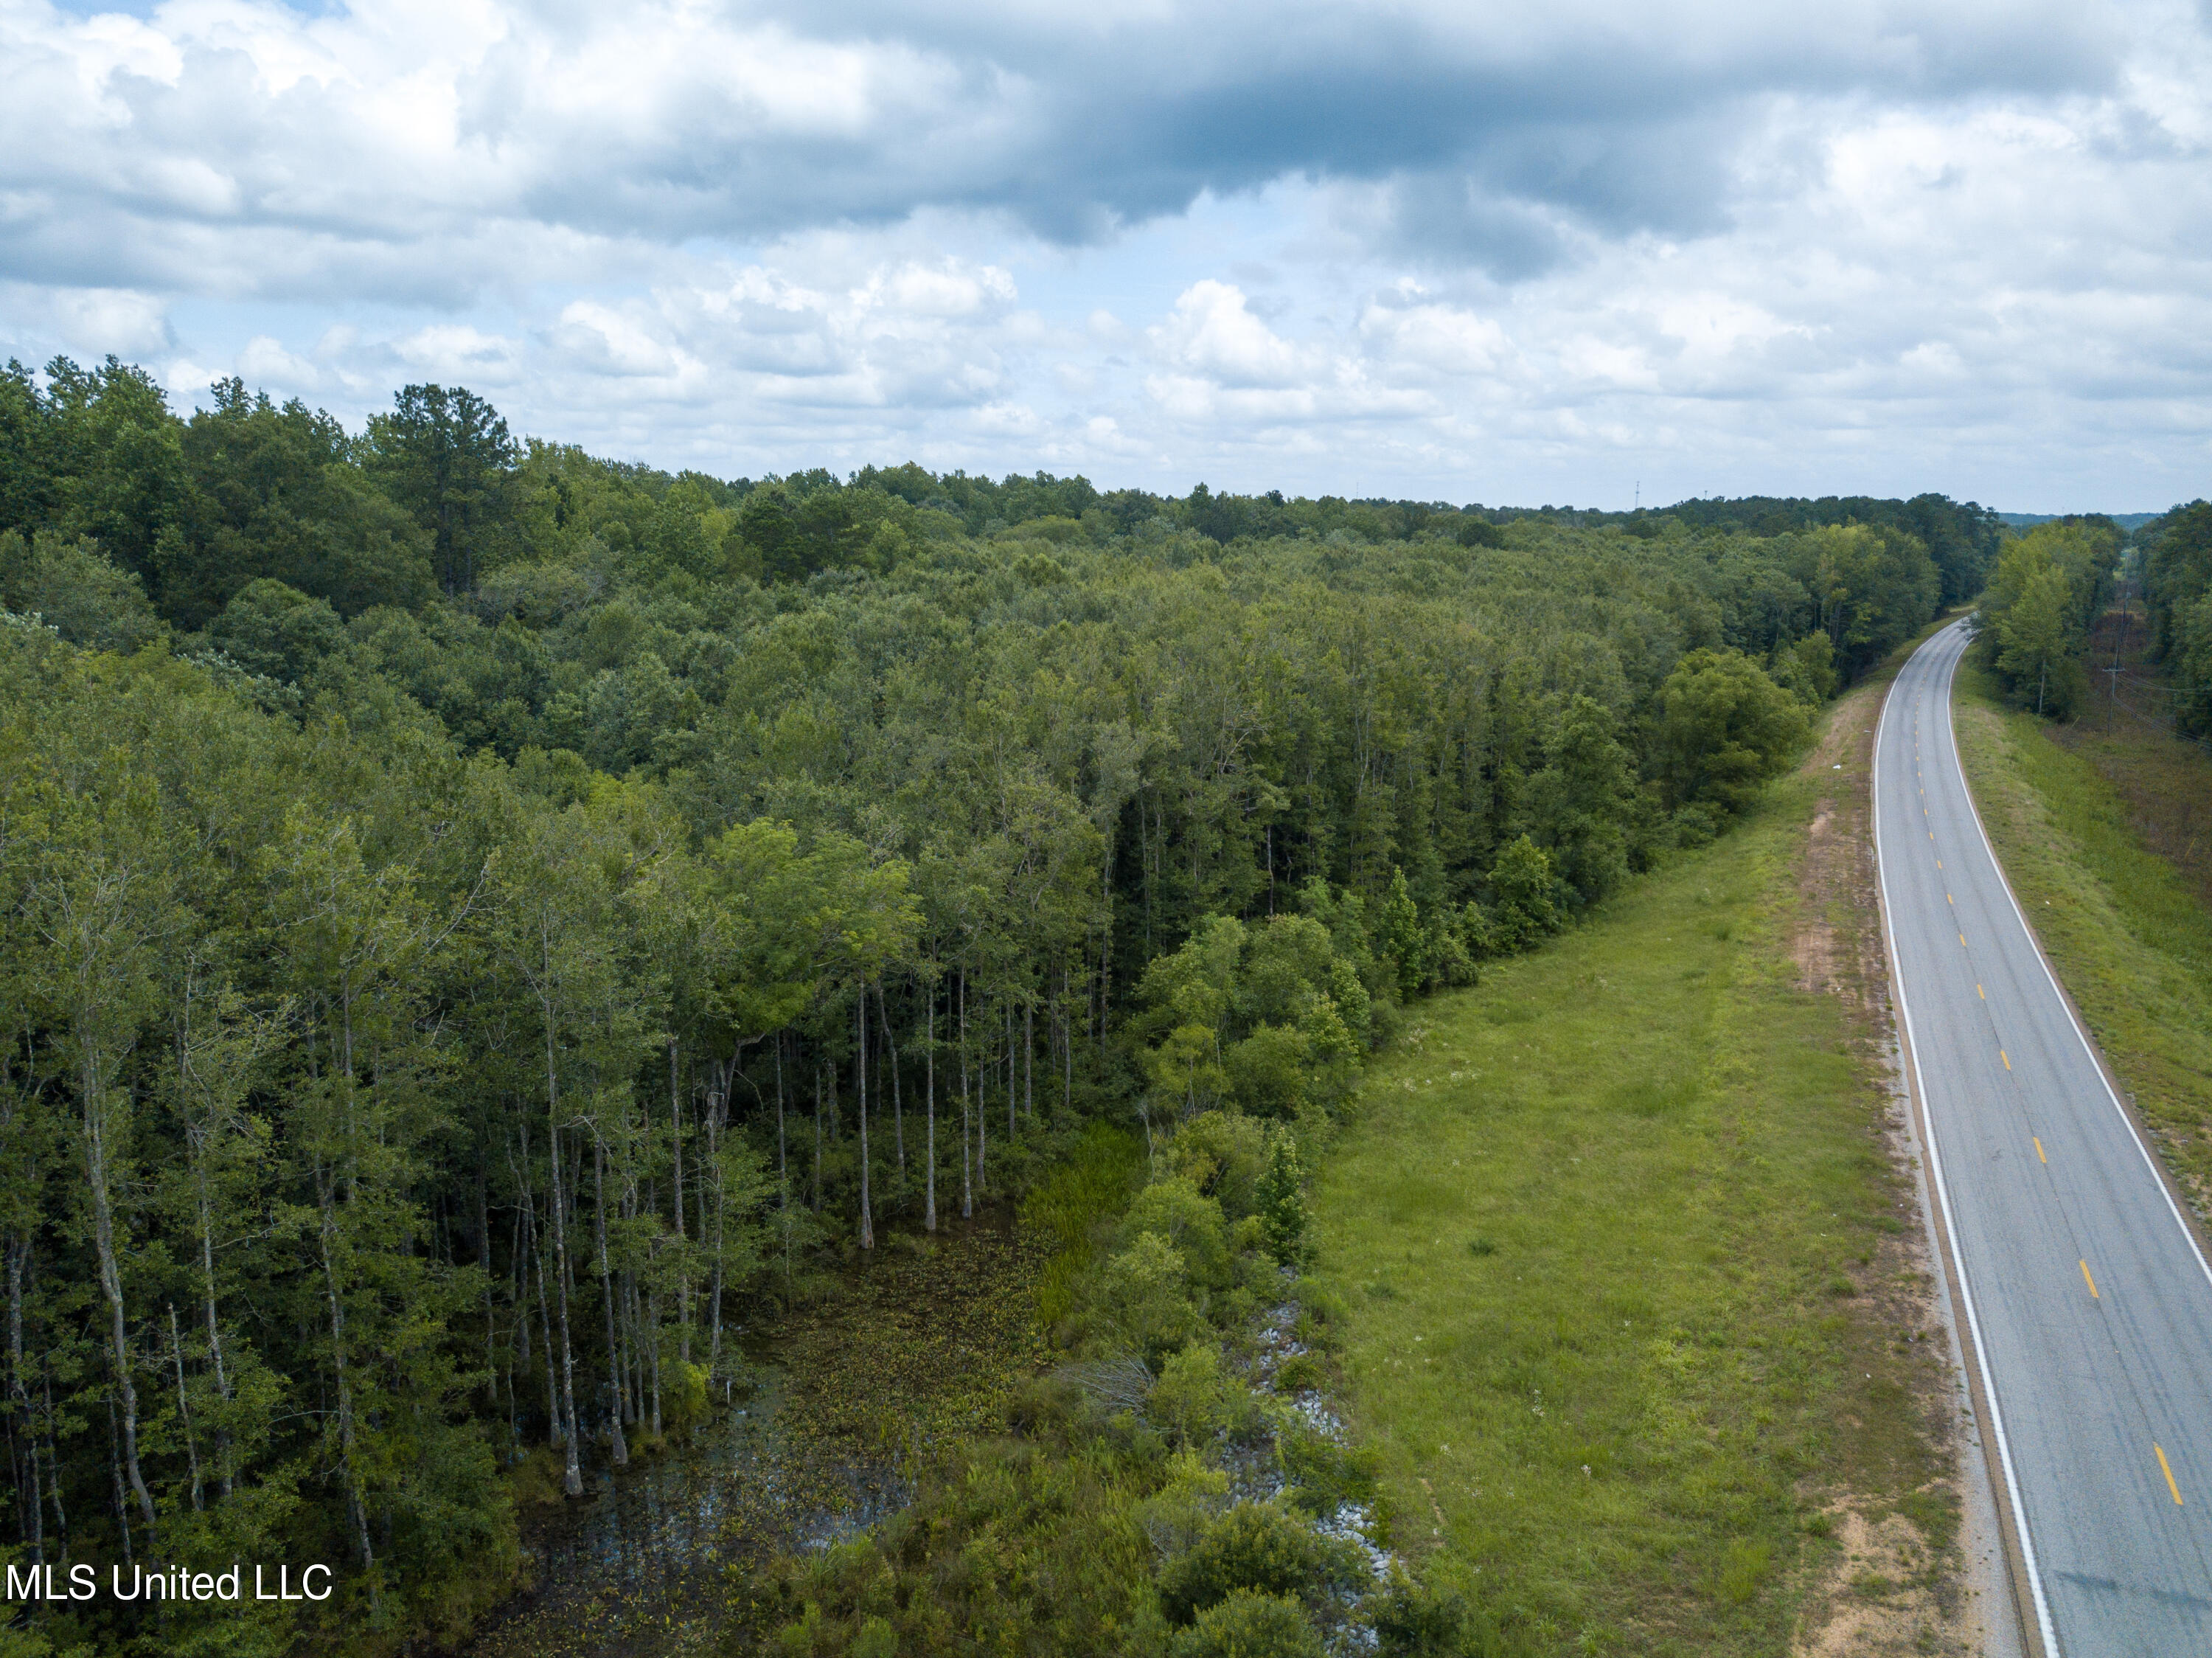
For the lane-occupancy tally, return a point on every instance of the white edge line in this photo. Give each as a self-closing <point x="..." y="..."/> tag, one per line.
<point x="2158" y="1179"/>
<point x="1943" y="1197"/>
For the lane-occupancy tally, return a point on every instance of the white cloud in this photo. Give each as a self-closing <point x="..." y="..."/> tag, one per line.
<point x="1212" y="335"/>
<point x="1432" y="247"/>
<point x="102" y="319"/>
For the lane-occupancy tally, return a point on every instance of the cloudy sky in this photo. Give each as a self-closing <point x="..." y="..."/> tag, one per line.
<point x="1489" y="250"/>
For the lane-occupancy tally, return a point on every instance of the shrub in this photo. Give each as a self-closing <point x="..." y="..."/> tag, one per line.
<point x="1255" y="1546"/>
<point x="1267" y="1071"/>
<point x="1144" y="1299"/>
<point x="1524" y="897"/>
<point x="1412" y="1621"/>
<point x="1196" y="1399"/>
<point x="1043" y="1407"/>
<point x="1180" y="1215"/>
<point x="1289" y="961"/>
<point x="1222" y="1154"/>
<point x="1191" y="1497"/>
<point x="1282" y="1201"/>
<point x="1322" y="1474"/>
<point x="1248" y="1624"/>
<point x="683" y="1394"/>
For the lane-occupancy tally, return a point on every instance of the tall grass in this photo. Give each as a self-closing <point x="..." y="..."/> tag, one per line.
<point x="1608" y="1226"/>
<point x="1076" y="1205"/>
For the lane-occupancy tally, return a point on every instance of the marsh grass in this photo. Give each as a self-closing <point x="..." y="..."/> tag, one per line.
<point x="1592" y="1238"/>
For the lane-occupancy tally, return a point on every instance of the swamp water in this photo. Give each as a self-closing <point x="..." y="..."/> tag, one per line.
<point x="914" y="1346"/>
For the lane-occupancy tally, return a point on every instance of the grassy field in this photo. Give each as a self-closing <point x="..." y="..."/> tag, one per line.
<point x="2075" y="814"/>
<point x="1636" y="1323"/>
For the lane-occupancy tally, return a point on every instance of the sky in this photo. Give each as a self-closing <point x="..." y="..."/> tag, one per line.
<point x="1582" y="252"/>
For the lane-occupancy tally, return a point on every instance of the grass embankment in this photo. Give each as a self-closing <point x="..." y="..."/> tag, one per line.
<point x="1635" y="1323"/>
<point x="2075" y="814"/>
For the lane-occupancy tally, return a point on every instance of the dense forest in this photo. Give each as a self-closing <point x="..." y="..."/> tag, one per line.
<point x="480" y="921"/>
<point x="2177" y="582"/>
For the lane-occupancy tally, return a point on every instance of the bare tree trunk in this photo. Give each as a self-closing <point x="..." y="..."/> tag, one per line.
<point x="929" y="1149"/>
<point x="554" y="1413"/>
<point x="518" y="1342"/>
<point x="572" y="1473"/>
<point x="535" y="1256"/>
<point x="898" y="1112"/>
<point x="698" y="1185"/>
<point x="115" y="1474"/>
<point x="326" y="1195"/>
<point x="782" y="1167"/>
<point x="19" y="1395"/>
<point x="54" y="1461"/>
<point x="483" y="1261"/>
<point x="861" y="1081"/>
<point x="683" y="1270"/>
<point x="196" y="1142"/>
<point x="185" y="1406"/>
<point x="620" y="1446"/>
<point x="967" y="1191"/>
<point x="717" y="1103"/>
<point x="816" y="1200"/>
<point x="572" y="1177"/>
<point x="652" y="1358"/>
<point x="111" y="1277"/>
<point x="633" y="1350"/>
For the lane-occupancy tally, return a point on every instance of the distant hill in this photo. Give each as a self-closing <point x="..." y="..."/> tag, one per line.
<point x="2130" y="521"/>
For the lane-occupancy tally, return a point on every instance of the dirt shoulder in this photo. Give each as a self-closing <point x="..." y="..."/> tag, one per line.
<point x="1918" y="1571"/>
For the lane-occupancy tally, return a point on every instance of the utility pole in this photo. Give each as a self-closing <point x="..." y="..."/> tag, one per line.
<point x="2120" y="637"/>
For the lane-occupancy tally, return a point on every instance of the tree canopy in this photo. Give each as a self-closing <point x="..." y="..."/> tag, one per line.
<point x="473" y="916"/>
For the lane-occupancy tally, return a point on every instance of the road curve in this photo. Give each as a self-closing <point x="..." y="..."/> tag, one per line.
<point x="2088" y="1303"/>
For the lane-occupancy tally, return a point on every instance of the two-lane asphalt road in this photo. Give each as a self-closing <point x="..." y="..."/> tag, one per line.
<point x="2088" y="1304"/>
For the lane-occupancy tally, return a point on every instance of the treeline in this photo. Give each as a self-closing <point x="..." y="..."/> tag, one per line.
<point x="478" y="917"/>
<point x="2177" y="581"/>
<point x="1962" y="539"/>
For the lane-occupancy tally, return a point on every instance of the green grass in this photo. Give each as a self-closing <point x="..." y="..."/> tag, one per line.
<point x="2128" y="932"/>
<point x="1604" y="1223"/>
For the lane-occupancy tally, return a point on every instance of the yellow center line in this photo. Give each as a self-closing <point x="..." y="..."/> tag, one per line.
<point x="2166" y="1468"/>
<point x="1982" y="993"/>
<point x="2094" y="1296"/>
<point x="2001" y="1054"/>
<point x="1948" y="899"/>
<point x="1962" y="941"/>
<point x="2040" y="1158"/>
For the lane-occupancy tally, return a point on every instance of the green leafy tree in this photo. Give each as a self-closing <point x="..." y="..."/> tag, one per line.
<point x="1281" y="1201"/>
<point x="1724" y="728"/>
<point x="2039" y="647"/>
<point x="444" y="455"/>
